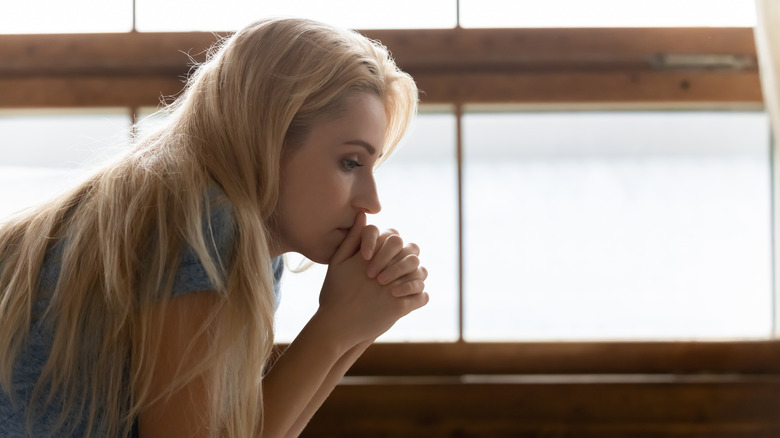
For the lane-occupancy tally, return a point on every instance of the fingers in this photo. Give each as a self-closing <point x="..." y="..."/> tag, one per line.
<point x="369" y="241"/>
<point x="398" y="269"/>
<point x="410" y="284"/>
<point x="351" y="243"/>
<point x="408" y="288"/>
<point x="388" y="250"/>
<point x="391" y="263"/>
<point x="414" y="302"/>
<point x="373" y="241"/>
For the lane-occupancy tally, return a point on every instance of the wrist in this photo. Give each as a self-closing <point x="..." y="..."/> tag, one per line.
<point x="331" y="332"/>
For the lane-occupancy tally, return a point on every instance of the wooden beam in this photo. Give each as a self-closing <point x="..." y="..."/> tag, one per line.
<point x="417" y="50"/>
<point x="106" y="54"/>
<point x="612" y="87"/>
<point x="522" y="88"/>
<point x="91" y="92"/>
<point x="464" y="358"/>
<point x="570" y="49"/>
<point x="696" y="65"/>
<point x="457" y="359"/>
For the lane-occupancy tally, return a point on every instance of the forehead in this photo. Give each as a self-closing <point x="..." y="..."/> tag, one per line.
<point x="361" y="117"/>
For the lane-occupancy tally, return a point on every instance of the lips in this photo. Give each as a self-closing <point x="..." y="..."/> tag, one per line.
<point x="347" y="228"/>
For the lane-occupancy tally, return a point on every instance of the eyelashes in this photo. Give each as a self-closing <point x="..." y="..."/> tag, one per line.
<point x="350" y="164"/>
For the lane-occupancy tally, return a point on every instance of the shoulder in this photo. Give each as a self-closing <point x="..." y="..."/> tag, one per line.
<point x="218" y="228"/>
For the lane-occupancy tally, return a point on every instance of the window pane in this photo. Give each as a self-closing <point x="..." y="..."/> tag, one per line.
<point x="617" y="226"/>
<point x="417" y="187"/>
<point x="44" y="153"/>
<point x="606" y="13"/>
<point x="228" y="15"/>
<point x="66" y="16"/>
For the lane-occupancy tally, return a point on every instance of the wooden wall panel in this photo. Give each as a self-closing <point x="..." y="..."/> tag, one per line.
<point x="605" y="410"/>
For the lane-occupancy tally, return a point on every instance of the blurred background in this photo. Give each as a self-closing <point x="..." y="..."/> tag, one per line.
<point x="591" y="184"/>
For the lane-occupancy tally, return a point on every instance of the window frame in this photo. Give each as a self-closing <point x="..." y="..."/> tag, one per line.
<point x="588" y="68"/>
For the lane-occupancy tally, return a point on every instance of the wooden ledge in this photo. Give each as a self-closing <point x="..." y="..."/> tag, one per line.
<point x="566" y="358"/>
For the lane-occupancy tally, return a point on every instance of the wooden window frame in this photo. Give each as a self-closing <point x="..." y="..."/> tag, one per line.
<point x="634" y="66"/>
<point x="695" y="68"/>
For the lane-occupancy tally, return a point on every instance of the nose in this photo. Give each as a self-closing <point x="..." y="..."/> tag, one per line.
<point x="366" y="197"/>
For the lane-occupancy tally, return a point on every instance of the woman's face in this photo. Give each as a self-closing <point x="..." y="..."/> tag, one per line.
<point x="329" y="178"/>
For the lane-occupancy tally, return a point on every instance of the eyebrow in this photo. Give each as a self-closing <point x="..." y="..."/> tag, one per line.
<point x="371" y="149"/>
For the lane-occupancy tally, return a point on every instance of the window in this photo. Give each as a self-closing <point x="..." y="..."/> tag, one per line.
<point x="46" y="152"/>
<point x="187" y="15"/>
<point x="607" y="13"/>
<point x="617" y="225"/>
<point x="71" y="16"/>
<point x="574" y="209"/>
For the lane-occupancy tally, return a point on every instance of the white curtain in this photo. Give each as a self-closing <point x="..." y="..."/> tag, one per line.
<point x="767" y="36"/>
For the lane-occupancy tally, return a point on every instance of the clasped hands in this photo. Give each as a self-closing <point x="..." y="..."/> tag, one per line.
<point x="373" y="280"/>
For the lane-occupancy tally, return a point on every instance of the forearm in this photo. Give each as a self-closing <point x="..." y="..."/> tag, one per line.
<point x="298" y="376"/>
<point x="333" y="378"/>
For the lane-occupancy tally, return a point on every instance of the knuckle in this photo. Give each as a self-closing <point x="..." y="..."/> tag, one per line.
<point x="395" y="240"/>
<point x="413" y="261"/>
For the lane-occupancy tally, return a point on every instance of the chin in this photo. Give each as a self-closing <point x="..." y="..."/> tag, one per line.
<point x="321" y="257"/>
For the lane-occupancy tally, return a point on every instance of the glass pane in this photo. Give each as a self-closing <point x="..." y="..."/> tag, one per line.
<point x="228" y="15"/>
<point x="418" y="190"/>
<point x="617" y="226"/>
<point x="606" y="13"/>
<point x="71" y="16"/>
<point x="44" y="153"/>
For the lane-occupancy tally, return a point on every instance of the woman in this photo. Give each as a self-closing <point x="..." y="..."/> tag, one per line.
<point x="142" y="302"/>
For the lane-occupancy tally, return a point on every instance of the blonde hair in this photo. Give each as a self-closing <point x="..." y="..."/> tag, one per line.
<point x="123" y="229"/>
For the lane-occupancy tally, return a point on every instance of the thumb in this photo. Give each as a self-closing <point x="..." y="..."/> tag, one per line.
<point x="349" y="246"/>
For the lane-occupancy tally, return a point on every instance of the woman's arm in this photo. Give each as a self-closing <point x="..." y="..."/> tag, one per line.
<point x="334" y="377"/>
<point x="393" y="263"/>
<point x="185" y="413"/>
<point x="288" y="388"/>
<point x="349" y="298"/>
<point x="354" y="310"/>
<point x="298" y="376"/>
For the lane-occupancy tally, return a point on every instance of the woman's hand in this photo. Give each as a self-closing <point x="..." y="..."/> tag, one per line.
<point x="391" y="262"/>
<point x="357" y="307"/>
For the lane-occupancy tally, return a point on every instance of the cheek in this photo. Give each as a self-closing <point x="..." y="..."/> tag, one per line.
<point x="306" y="202"/>
<point x="311" y="190"/>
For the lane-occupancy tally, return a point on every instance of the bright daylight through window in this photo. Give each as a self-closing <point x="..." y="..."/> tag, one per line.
<point x="576" y="225"/>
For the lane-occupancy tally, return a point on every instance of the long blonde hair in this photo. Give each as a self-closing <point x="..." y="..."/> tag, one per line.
<point x="123" y="229"/>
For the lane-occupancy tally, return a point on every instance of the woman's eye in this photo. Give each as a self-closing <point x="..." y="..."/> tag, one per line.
<point x="350" y="164"/>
